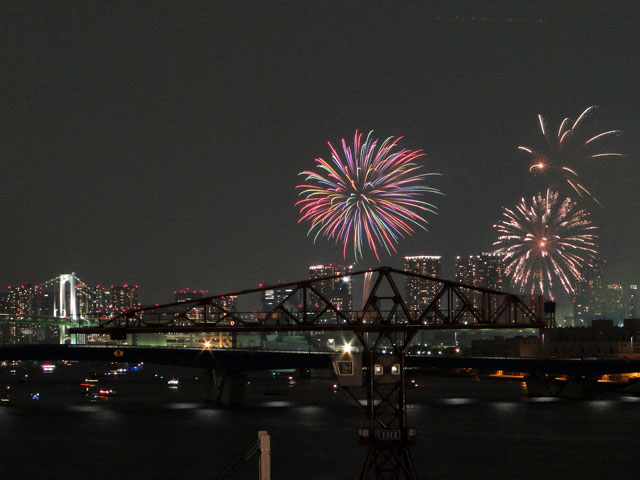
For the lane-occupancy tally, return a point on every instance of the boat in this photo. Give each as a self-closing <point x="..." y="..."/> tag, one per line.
<point x="103" y="394"/>
<point x="89" y="386"/>
<point x="173" y="383"/>
<point x="5" y="394"/>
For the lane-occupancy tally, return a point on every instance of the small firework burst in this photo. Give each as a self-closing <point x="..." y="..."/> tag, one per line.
<point x="567" y="150"/>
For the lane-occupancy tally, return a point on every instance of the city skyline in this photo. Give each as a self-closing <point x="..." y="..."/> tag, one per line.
<point x="594" y="298"/>
<point x="163" y="145"/>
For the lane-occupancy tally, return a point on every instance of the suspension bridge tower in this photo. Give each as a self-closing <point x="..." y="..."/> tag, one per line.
<point x="66" y="307"/>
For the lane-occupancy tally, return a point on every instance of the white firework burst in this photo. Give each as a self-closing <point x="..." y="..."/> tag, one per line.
<point x="544" y="241"/>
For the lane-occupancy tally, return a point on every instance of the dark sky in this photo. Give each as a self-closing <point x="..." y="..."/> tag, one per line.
<point x="159" y="143"/>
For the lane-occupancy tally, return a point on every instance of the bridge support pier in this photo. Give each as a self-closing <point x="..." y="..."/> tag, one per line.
<point x="578" y="388"/>
<point x="65" y="337"/>
<point x="226" y="388"/>
<point x="545" y="385"/>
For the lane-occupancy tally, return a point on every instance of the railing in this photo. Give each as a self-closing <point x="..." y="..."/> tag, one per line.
<point x="262" y="446"/>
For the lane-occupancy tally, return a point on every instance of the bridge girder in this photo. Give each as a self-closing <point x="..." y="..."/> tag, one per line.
<point x="452" y="306"/>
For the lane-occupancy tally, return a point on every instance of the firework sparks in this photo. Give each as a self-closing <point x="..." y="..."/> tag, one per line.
<point x="544" y="241"/>
<point x="371" y="194"/>
<point x="567" y="149"/>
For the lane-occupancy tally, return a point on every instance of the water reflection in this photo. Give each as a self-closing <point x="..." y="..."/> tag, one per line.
<point x="457" y="401"/>
<point x="505" y="407"/>
<point x="312" y="410"/>
<point x="108" y="415"/>
<point x="182" y="406"/>
<point x="84" y="408"/>
<point x="277" y="404"/>
<point x="600" y="405"/>
<point x="629" y="399"/>
<point x="207" y="413"/>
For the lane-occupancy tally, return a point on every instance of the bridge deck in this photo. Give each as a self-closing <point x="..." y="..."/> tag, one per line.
<point x="251" y="360"/>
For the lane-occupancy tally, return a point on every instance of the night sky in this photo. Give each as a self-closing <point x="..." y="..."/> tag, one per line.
<point x="159" y="143"/>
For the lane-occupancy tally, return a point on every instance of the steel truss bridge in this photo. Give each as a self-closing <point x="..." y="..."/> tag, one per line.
<point x="384" y="328"/>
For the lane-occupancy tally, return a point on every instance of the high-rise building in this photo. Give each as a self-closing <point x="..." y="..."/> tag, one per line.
<point x="27" y="300"/>
<point x="613" y="308"/>
<point x="229" y="303"/>
<point x="21" y="300"/>
<point x="92" y="301"/>
<point x="272" y="297"/>
<point x="484" y="270"/>
<point x="632" y="303"/>
<point x="420" y="292"/>
<point x="588" y="300"/>
<point x="5" y="302"/>
<point x="467" y="272"/>
<point x="123" y="297"/>
<point x="492" y="271"/>
<point x="466" y="269"/>
<point x="188" y="294"/>
<point x="337" y="290"/>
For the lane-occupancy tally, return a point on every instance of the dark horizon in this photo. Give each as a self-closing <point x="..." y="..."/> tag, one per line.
<point x="160" y="144"/>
